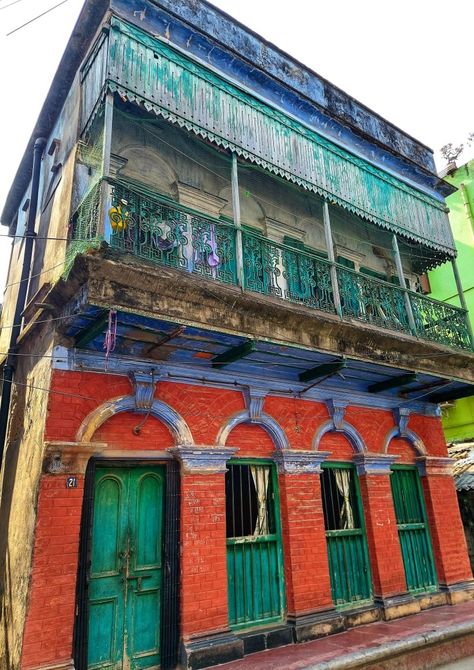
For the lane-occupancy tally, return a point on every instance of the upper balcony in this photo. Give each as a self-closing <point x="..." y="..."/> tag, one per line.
<point x="158" y="230"/>
<point x="173" y="153"/>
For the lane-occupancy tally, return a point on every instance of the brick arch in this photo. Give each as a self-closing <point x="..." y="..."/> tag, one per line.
<point x="159" y="409"/>
<point x="265" y="421"/>
<point x="347" y="429"/>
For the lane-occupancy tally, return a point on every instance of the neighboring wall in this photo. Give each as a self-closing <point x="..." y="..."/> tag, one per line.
<point x="458" y="420"/>
<point x="24" y="454"/>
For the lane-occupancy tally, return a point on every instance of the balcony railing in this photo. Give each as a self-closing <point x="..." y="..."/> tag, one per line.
<point x="163" y="232"/>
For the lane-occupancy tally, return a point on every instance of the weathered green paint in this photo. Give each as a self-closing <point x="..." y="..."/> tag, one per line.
<point x="148" y="71"/>
<point x="415" y="541"/>
<point x="349" y="565"/>
<point x="234" y="354"/>
<point x="256" y="592"/>
<point x="157" y="229"/>
<point x="322" y="371"/>
<point x="125" y="577"/>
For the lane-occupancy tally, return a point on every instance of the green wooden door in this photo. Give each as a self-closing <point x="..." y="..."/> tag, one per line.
<point x="349" y="567"/>
<point x="125" y="577"/>
<point x="415" y="540"/>
<point x="254" y="553"/>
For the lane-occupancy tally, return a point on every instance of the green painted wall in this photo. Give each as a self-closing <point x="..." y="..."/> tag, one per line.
<point x="458" y="421"/>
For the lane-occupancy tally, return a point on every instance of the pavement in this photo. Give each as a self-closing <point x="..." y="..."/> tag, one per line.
<point x="433" y="638"/>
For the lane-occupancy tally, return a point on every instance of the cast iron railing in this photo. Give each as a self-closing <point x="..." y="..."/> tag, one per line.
<point x="151" y="227"/>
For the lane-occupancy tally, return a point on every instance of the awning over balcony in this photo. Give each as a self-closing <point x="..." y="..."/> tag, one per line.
<point x="147" y="71"/>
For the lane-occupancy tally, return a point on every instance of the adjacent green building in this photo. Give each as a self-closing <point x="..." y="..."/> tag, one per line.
<point x="458" y="417"/>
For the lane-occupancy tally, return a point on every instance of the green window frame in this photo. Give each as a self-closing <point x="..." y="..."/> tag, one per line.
<point x="255" y="574"/>
<point x="348" y="556"/>
<point x="413" y="529"/>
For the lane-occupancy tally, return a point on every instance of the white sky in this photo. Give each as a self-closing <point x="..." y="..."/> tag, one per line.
<point x="409" y="60"/>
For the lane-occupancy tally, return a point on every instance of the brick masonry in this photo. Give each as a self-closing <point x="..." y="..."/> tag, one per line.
<point x="49" y="628"/>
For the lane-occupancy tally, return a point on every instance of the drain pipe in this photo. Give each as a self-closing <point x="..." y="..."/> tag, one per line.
<point x="467" y="205"/>
<point x="9" y="367"/>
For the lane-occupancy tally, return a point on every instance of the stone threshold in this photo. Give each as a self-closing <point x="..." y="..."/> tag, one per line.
<point x="415" y="642"/>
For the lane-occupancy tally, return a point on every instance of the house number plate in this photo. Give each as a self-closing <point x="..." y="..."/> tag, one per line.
<point x="71" y="482"/>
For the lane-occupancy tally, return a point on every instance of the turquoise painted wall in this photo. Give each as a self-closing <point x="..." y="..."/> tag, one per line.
<point x="458" y="421"/>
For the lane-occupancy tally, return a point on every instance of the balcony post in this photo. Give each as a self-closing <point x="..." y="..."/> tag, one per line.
<point x="401" y="279"/>
<point x="332" y="260"/>
<point x="106" y="151"/>
<point x="462" y="300"/>
<point x="239" y="257"/>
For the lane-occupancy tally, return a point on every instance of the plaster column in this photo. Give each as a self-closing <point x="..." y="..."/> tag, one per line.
<point x="447" y="533"/>
<point x="388" y="572"/>
<point x="206" y="637"/>
<point x="308" y="588"/>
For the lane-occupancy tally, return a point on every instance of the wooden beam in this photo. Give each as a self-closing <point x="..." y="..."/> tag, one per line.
<point x="455" y="394"/>
<point x="323" y="370"/>
<point x="90" y="333"/>
<point x="392" y="383"/>
<point x="423" y="387"/>
<point x="234" y="354"/>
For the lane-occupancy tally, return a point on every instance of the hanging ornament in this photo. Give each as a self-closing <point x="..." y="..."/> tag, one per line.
<point x="110" y="335"/>
<point x="119" y="216"/>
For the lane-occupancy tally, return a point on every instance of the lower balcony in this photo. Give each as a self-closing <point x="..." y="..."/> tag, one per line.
<point x="163" y="232"/>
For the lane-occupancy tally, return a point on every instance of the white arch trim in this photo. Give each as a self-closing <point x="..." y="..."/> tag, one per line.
<point x="266" y="421"/>
<point x="346" y="429"/>
<point x="159" y="409"/>
<point x="411" y="437"/>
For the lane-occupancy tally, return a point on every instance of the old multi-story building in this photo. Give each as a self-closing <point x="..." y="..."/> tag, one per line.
<point x="222" y="379"/>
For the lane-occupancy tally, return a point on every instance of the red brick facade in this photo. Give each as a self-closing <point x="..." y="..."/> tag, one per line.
<point x="48" y="634"/>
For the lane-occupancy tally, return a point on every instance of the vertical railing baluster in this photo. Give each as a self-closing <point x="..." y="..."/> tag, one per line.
<point x="401" y="279"/>
<point x="239" y="257"/>
<point x="104" y="227"/>
<point x="332" y="260"/>
<point x="462" y="299"/>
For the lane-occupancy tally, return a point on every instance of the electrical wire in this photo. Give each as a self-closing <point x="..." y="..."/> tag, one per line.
<point x="36" y="17"/>
<point x="15" y="283"/>
<point x="11" y="4"/>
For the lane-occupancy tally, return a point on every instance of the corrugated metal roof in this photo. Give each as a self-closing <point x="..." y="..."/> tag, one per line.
<point x="463" y="469"/>
<point x="147" y="71"/>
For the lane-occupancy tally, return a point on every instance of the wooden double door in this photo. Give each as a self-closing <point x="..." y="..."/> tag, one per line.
<point x="124" y="585"/>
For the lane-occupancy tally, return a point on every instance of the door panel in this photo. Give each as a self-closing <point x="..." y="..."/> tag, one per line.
<point x="413" y="532"/>
<point x="109" y="534"/>
<point x="125" y="580"/>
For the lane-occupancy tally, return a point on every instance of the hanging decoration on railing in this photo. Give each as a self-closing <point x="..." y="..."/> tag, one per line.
<point x="119" y="216"/>
<point x="110" y="336"/>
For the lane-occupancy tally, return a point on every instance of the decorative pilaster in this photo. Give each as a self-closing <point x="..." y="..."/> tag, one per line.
<point x="70" y="458"/>
<point x="144" y="384"/>
<point x="401" y="416"/>
<point x="299" y="462"/>
<point x="449" y="542"/>
<point x="204" y="605"/>
<point x="254" y="399"/>
<point x="435" y="465"/>
<point x="382" y="535"/>
<point x="374" y="464"/>
<point x="203" y="460"/>
<point x="336" y="410"/>
<point x="310" y="606"/>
